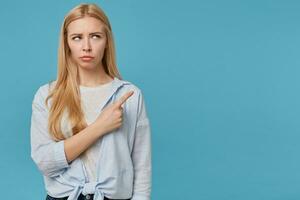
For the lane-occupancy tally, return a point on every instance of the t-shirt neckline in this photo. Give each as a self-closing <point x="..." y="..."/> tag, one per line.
<point x="96" y="87"/>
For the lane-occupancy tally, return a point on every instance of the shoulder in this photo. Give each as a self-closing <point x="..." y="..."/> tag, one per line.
<point x="130" y="86"/>
<point x="42" y="91"/>
<point x="137" y="100"/>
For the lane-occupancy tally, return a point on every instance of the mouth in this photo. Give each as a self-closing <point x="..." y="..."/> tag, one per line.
<point x="86" y="58"/>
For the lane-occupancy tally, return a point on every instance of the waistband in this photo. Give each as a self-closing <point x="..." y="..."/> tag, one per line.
<point x="81" y="197"/>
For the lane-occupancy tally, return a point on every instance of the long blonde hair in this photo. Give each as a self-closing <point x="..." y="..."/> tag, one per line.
<point x="66" y="93"/>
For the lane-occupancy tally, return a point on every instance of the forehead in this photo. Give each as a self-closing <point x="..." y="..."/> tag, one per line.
<point x="85" y="25"/>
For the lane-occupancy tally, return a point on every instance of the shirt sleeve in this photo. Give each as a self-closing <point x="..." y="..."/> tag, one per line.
<point x="141" y="155"/>
<point x="48" y="155"/>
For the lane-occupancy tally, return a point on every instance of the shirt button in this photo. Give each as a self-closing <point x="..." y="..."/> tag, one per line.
<point x="87" y="196"/>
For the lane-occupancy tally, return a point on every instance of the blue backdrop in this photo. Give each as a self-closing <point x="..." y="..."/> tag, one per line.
<point x="221" y="85"/>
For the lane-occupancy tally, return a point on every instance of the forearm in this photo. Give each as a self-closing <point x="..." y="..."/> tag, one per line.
<point x="142" y="161"/>
<point x="78" y="143"/>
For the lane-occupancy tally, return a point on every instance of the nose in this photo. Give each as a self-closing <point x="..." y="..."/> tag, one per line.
<point x="86" y="45"/>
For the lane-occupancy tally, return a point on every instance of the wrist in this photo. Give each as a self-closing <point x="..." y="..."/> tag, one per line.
<point x="97" y="129"/>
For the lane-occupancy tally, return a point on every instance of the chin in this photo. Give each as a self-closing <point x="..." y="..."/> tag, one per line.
<point x="87" y="66"/>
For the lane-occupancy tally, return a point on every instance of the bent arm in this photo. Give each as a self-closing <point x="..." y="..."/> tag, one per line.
<point x="51" y="157"/>
<point x="48" y="155"/>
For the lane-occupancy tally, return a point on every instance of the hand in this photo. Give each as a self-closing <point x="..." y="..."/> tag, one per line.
<point x="111" y="116"/>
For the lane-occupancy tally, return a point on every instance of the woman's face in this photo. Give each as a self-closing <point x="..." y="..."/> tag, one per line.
<point x="86" y="37"/>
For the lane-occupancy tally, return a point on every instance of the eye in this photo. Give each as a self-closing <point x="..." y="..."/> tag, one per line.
<point x="96" y="36"/>
<point x="74" y="38"/>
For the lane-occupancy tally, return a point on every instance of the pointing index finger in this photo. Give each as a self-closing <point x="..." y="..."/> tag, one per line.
<point x="124" y="98"/>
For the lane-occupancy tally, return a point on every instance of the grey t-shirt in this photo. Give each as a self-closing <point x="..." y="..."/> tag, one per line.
<point x="92" y="98"/>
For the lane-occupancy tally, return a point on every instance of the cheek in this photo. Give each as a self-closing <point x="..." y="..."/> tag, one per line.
<point x="100" y="47"/>
<point x="75" y="49"/>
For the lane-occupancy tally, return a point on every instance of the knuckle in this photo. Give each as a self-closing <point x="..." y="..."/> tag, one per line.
<point x="120" y="113"/>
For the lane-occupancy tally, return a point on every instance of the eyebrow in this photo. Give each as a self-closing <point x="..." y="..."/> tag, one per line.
<point x="89" y="34"/>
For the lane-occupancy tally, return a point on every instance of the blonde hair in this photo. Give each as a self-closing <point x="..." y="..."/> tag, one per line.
<point x="66" y="93"/>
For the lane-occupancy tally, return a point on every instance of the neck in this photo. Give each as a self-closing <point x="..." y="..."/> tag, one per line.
<point x="93" y="77"/>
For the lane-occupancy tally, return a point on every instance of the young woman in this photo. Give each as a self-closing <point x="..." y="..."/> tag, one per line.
<point x="90" y="133"/>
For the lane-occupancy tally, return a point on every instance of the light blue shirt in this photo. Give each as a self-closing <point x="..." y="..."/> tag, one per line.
<point x="124" y="162"/>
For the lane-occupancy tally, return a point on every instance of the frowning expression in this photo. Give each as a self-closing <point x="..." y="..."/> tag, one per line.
<point x="87" y="41"/>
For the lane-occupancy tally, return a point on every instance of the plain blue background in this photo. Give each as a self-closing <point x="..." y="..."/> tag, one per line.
<point x="220" y="80"/>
